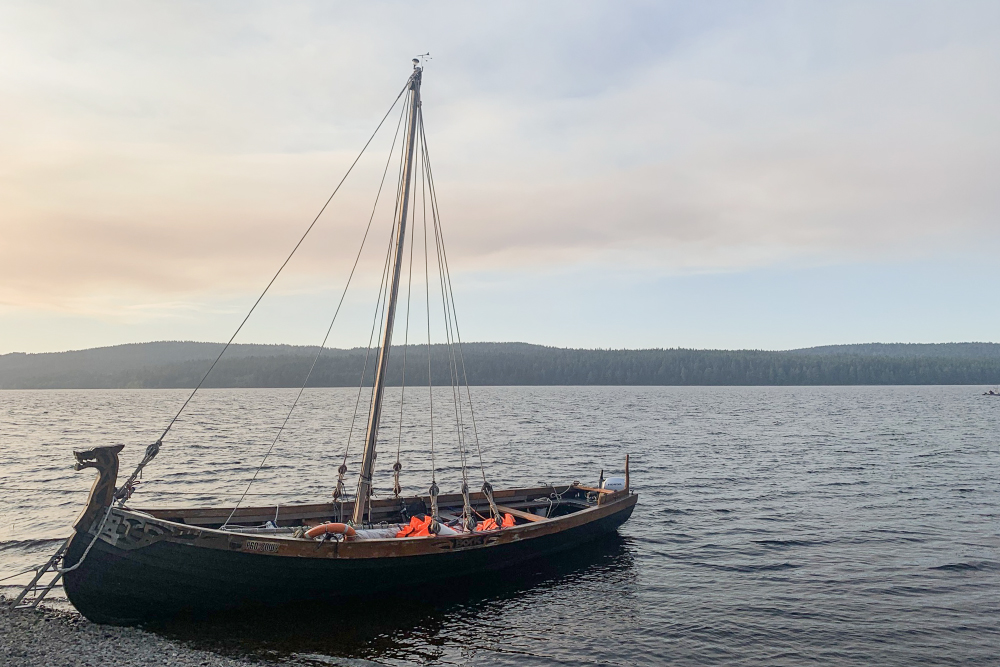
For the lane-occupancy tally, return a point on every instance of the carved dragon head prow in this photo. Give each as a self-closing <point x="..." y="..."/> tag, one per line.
<point x="98" y="457"/>
<point x="102" y="493"/>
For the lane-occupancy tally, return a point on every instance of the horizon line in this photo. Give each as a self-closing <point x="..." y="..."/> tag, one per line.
<point x="554" y="347"/>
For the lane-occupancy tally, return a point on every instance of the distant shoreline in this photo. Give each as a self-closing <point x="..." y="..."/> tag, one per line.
<point x="504" y="386"/>
<point x="163" y="365"/>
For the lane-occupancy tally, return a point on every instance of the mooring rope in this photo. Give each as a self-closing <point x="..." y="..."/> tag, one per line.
<point x="97" y="534"/>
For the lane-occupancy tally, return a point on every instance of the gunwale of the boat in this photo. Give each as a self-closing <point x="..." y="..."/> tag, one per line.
<point x="268" y="546"/>
<point x="381" y="508"/>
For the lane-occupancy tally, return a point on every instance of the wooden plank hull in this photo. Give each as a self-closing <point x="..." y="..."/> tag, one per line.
<point x="144" y="568"/>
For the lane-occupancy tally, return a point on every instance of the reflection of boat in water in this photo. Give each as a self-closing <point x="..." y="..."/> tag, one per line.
<point x="475" y="612"/>
<point x="125" y="565"/>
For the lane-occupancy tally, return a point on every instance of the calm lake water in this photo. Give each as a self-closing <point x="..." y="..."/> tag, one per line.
<point x="800" y="525"/>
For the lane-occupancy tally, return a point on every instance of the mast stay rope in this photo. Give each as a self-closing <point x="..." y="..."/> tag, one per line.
<point x="397" y="467"/>
<point x="377" y="319"/>
<point x="433" y="491"/>
<point x="414" y="157"/>
<point x="326" y="337"/>
<point x="125" y="491"/>
<point x="453" y="341"/>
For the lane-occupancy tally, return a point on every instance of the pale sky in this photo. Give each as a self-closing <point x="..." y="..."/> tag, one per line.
<point x="611" y="174"/>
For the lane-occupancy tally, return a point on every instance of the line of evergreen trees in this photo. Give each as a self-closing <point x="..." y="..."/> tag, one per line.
<point x="521" y="364"/>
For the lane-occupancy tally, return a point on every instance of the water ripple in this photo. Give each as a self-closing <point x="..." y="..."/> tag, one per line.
<point x="776" y="525"/>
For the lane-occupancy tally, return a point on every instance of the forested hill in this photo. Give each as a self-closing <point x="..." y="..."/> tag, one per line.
<point x="181" y="364"/>
<point x="910" y="350"/>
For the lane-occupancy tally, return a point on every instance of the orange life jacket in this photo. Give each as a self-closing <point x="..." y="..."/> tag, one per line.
<point x="417" y="528"/>
<point x="491" y="523"/>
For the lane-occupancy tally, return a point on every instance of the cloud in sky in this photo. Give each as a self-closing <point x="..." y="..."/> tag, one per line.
<point x="159" y="156"/>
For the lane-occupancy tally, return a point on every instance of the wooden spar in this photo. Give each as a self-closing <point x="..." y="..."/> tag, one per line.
<point x="527" y="516"/>
<point x="375" y="411"/>
<point x="592" y="489"/>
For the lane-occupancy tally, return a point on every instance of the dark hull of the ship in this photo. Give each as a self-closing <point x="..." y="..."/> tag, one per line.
<point x="167" y="579"/>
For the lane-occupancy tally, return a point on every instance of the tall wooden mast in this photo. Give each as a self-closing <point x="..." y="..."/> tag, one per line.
<point x="375" y="411"/>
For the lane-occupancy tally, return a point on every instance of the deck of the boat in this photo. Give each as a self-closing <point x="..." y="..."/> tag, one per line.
<point x="526" y="504"/>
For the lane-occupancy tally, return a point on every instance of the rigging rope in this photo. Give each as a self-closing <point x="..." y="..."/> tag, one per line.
<point x="456" y="360"/>
<point x="396" y="488"/>
<point x="338" y="492"/>
<point x="379" y="305"/>
<point x="433" y="490"/>
<point x="153" y="449"/>
<point x="436" y="213"/>
<point x="326" y="337"/>
<point x="379" y="317"/>
<point x="193" y="494"/>
<point x="380" y="314"/>
<point x="439" y="234"/>
<point x="457" y="401"/>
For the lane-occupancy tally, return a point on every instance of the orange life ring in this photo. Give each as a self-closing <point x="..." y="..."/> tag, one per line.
<point x="331" y="528"/>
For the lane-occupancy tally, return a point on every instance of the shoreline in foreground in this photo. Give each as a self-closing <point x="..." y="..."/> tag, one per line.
<point x="49" y="636"/>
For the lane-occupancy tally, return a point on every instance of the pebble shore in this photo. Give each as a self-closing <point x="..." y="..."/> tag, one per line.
<point x="57" y="638"/>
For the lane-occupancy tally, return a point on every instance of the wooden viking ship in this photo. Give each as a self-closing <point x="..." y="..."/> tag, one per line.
<point x="125" y="565"/>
